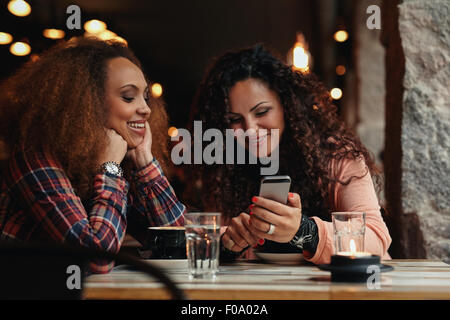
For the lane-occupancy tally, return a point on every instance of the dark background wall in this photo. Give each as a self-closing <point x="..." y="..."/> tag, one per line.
<point x="176" y="40"/>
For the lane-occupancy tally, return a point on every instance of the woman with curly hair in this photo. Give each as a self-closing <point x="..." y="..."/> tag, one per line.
<point x="329" y="167"/>
<point x="83" y="137"/>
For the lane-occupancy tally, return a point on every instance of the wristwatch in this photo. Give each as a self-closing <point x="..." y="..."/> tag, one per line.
<point x="112" y="168"/>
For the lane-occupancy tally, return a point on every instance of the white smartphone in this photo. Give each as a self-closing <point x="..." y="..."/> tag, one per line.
<point x="275" y="188"/>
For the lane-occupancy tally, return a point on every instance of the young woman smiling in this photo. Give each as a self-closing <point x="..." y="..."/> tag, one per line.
<point x="329" y="167"/>
<point x="82" y="169"/>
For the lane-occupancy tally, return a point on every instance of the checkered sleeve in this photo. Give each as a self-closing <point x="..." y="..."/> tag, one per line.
<point x="59" y="213"/>
<point x="154" y="202"/>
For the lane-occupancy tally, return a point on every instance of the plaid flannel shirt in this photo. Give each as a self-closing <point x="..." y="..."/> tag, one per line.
<point x="38" y="203"/>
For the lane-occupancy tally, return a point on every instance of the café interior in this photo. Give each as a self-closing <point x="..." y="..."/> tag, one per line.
<point x="376" y="58"/>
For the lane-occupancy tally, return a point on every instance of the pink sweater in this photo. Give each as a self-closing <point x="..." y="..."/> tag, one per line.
<point x="358" y="196"/>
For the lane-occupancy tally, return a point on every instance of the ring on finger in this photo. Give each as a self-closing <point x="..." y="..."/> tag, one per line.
<point x="271" y="229"/>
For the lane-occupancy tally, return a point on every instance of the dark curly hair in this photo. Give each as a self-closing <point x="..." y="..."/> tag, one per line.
<point x="57" y="104"/>
<point x="313" y="138"/>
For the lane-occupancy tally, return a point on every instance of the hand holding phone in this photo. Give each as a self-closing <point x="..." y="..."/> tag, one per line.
<point x="275" y="188"/>
<point x="274" y="221"/>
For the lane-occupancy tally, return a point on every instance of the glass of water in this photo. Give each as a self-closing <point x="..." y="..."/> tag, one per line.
<point x="202" y="244"/>
<point x="349" y="230"/>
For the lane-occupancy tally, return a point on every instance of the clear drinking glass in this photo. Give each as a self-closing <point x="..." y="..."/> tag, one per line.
<point x="349" y="230"/>
<point x="202" y="243"/>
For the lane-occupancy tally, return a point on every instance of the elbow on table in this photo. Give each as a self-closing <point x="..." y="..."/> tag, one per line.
<point x="103" y="264"/>
<point x="100" y="266"/>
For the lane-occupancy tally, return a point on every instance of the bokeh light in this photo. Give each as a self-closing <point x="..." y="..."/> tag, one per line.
<point x="94" y="26"/>
<point x="341" y="36"/>
<point x="5" y="38"/>
<point x="19" y="8"/>
<point x="20" y="49"/>
<point x="301" y="59"/>
<point x="340" y="70"/>
<point x="157" y="90"/>
<point x="336" y="93"/>
<point x="54" y="33"/>
<point x="173" y="132"/>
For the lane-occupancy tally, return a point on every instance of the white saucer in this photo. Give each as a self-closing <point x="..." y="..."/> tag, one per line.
<point x="168" y="263"/>
<point x="281" y="258"/>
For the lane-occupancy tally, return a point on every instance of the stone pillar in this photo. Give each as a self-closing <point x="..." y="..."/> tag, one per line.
<point x="370" y="76"/>
<point x="416" y="35"/>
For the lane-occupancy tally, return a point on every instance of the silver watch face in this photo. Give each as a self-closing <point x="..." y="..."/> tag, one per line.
<point x="112" y="168"/>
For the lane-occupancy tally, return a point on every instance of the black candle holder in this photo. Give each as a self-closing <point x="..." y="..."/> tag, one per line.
<point x="353" y="268"/>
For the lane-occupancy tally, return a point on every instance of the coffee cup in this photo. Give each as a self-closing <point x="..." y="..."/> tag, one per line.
<point x="276" y="247"/>
<point x="166" y="242"/>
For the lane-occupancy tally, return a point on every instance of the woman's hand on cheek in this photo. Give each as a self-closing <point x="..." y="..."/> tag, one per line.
<point x="141" y="155"/>
<point x="116" y="148"/>
<point x="285" y="218"/>
<point x="237" y="237"/>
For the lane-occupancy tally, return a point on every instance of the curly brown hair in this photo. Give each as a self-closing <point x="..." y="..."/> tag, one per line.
<point x="57" y="104"/>
<point x="313" y="136"/>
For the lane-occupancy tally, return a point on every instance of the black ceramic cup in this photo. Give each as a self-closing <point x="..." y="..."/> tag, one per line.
<point x="167" y="242"/>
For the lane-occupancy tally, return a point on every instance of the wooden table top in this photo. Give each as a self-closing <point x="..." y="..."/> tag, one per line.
<point x="410" y="279"/>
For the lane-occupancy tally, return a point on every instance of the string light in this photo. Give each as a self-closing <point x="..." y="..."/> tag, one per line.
<point x="5" y="38"/>
<point x="20" y="49"/>
<point x="120" y="39"/>
<point x="157" y="90"/>
<point x="34" y="57"/>
<point x="336" y="93"/>
<point x="94" y="26"/>
<point x="19" y="8"/>
<point x="301" y="59"/>
<point x="340" y="70"/>
<point x="173" y="132"/>
<point x="54" y="33"/>
<point x="106" y="35"/>
<point x="341" y="36"/>
<point x="298" y="56"/>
